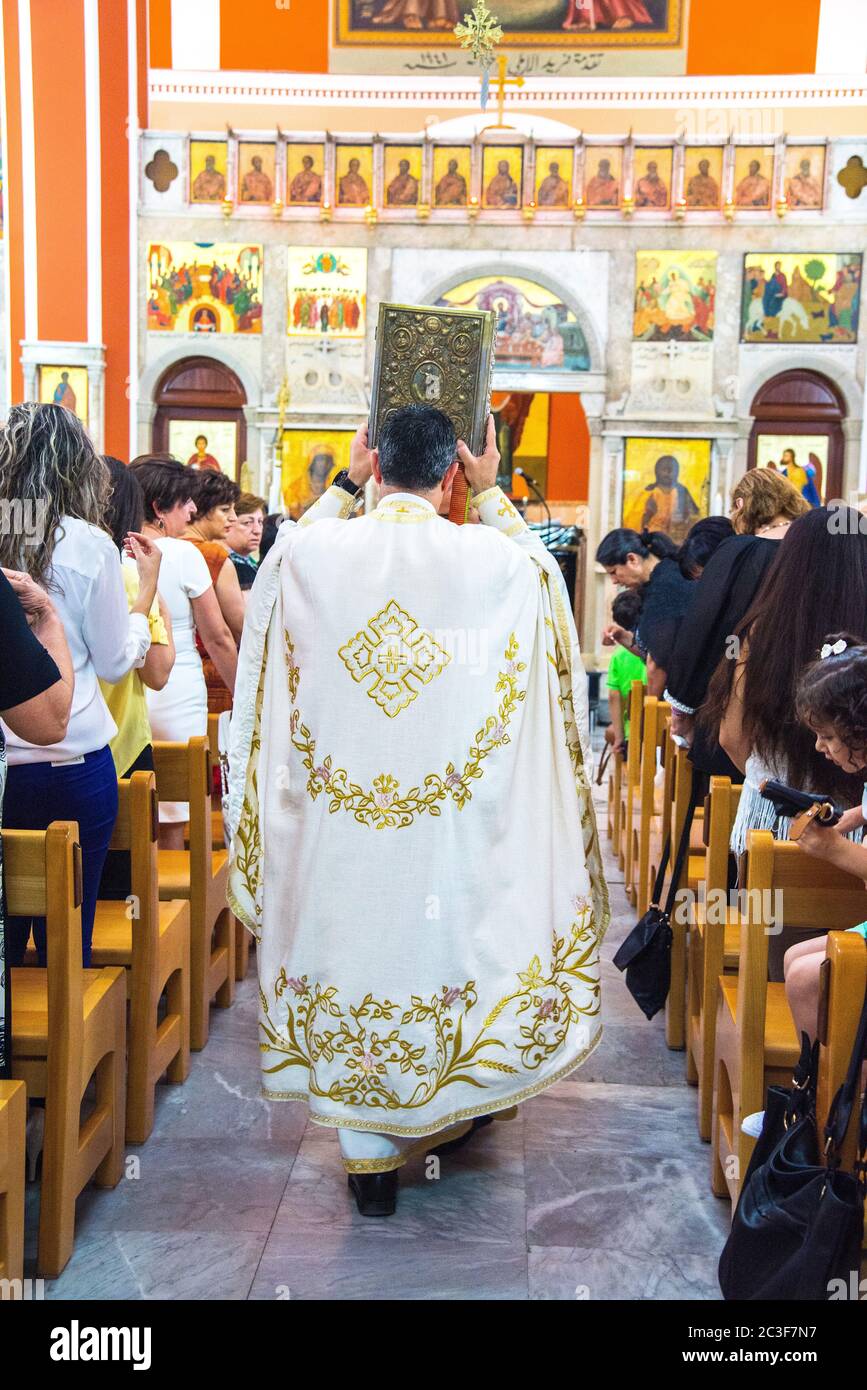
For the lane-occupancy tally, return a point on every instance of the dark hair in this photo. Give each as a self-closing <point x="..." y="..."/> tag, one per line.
<point x="210" y="489"/>
<point x="416" y="446"/>
<point x="270" y="526"/>
<point x="626" y="608"/>
<point x="701" y="542"/>
<point x="817" y="578"/>
<point x="614" y="548"/>
<point x="832" y="692"/>
<point x="126" y="507"/>
<point x="164" y="482"/>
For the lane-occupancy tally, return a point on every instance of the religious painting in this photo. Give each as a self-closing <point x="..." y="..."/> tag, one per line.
<point x="754" y="176"/>
<point x="327" y="291"/>
<point x="452" y="175"/>
<point x="354" y="176"/>
<point x="603" y="176"/>
<point x="802" y="458"/>
<point x="675" y="294"/>
<point x="310" y="460"/>
<point x="205" y="443"/>
<point x="502" y="174"/>
<point x="204" y="287"/>
<point x="553" y="176"/>
<point x="66" y="386"/>
<point x="305" y="174"/>
<point x="666" y="485"/>
<point x="702" y="177"/>
<point x="401" y="182"/>
<point x="257" y="179"/>
<point x="804" y="178"/>
<point x="802" y="297"/>
<point x="208" y="163"/>
<point x="536" y="331"/>
<point x="530" y="23"/>
<point x="651" y="178"/>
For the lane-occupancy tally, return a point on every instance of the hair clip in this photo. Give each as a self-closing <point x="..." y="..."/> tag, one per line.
<point x="833" y="649"/>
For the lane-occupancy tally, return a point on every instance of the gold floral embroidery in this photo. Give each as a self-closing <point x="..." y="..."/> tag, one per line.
<point x="403" y="512"/>
<point x="247" y="848"/>
<point x="398" y="653"/>
<point x="384" y="1055"/>
<point x="384" y="806"/>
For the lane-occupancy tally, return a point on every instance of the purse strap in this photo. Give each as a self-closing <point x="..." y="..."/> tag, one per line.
<point x="842" y="1105"/>
<point x="696" y="794"/>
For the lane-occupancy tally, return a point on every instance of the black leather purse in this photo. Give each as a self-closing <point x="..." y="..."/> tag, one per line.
<point x="798" y="1224"/>
<point x="645" y="955"/>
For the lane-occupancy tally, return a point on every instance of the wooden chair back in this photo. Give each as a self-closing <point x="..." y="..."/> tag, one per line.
<point x="843" y="989"/>
<point x="183" y="773"/>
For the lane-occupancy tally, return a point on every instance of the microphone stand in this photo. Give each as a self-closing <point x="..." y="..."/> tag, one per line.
<point x="528" y="478"/>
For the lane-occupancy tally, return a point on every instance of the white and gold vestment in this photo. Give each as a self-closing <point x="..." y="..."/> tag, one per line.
<point x="414" y="844"/>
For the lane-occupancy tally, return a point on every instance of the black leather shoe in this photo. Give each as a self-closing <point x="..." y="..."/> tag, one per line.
<point x="375" y="1193"/>
<point x="480" y="1122"/>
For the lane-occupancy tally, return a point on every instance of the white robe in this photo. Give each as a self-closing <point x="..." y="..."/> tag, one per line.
<point x="414" y="844"/>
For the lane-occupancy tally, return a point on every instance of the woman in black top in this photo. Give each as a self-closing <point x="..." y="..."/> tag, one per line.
<point x="764" y="504"/>
<point x="647" y="562"/>
<point x="36" y="684"/>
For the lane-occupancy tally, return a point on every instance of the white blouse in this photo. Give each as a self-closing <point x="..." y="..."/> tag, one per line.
<point x="105" y="639"/>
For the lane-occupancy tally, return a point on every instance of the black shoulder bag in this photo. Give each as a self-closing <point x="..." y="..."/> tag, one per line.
<point x="798" y="1224"/>
<point x="645" y="955"/>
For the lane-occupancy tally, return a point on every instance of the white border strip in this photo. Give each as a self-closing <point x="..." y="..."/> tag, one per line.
<point x="28" y="173"/>
<point x="93" y="171"/>
<point x="6" y="398"/>
<point x="342" y="89"/>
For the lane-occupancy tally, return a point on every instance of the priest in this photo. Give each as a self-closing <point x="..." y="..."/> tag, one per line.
<point x="413" y="842"/>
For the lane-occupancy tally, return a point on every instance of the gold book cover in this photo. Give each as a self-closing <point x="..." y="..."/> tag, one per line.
<point x="439" y="357"/>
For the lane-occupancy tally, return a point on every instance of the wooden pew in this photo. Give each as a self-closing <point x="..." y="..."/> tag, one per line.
<point x="842" y="990"/>
<point x="151" y="941"/>
<point x="13" y="1122"/>
<point x="712" y="948"/>
<point x="651" y="799"/>
<point x="68" y="1025"/>
<point x="199" y="873"/>
<point x="629" y="783"/>
<point x="756" y="1045"/>
<point x="242" y="937"/>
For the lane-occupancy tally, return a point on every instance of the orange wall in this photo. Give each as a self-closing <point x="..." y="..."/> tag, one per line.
<point x="13" y="197"/>
<point x="160" y="33"/>
<point x="568" y="449"/>
<point x="61" y="206"/>
<point x="114" y="102"/>
<point x="753" y="36"/>
<point x="256" y="34"/>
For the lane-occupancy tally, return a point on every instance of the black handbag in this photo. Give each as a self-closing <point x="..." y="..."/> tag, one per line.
<point x="645" y="955"/>
<point x="798" y="1224"/>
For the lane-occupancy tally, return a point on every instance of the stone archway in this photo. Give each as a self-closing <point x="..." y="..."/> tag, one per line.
<point x="802" y="403"/>
<point x="204" y="395"/>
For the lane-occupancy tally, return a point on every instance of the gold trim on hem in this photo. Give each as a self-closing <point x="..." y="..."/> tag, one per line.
<point x="388" y="1165"/>
<point x="488" y="1107"/>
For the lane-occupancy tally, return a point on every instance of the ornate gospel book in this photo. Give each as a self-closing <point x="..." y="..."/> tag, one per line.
<point x="439" y="357"/>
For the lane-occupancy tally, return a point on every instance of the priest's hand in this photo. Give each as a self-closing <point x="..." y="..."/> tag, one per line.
<point x="360" y="458"/>
<point x="482" y="471"/>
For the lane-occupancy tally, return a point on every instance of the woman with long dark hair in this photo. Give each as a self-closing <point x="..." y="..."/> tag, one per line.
<point x="763" y="506"/>
<point x="49" y="468"/>
<point x="818" y="581"/>
<point x="649" y="562"/>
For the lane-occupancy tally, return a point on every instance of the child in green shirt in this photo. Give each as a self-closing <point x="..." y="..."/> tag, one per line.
<point x="624" y="668"/>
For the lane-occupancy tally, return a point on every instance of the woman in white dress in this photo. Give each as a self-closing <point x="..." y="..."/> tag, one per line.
<point x="180" y="710"/>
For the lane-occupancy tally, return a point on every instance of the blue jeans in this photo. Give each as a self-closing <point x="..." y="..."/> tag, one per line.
<point x="36" y="795"/>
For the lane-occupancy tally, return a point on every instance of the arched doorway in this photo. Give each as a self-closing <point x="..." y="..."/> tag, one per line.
<point x="201" y="396"/>
<point x="802" y="410"/>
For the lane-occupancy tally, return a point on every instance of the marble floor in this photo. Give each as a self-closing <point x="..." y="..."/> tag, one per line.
<point x="598" y="1190"/>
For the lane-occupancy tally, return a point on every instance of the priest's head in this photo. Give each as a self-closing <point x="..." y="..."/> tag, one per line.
<point x="416" y="452"/>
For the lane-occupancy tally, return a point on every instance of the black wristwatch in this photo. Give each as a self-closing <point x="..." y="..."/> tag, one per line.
<point x="343" y="481"/>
